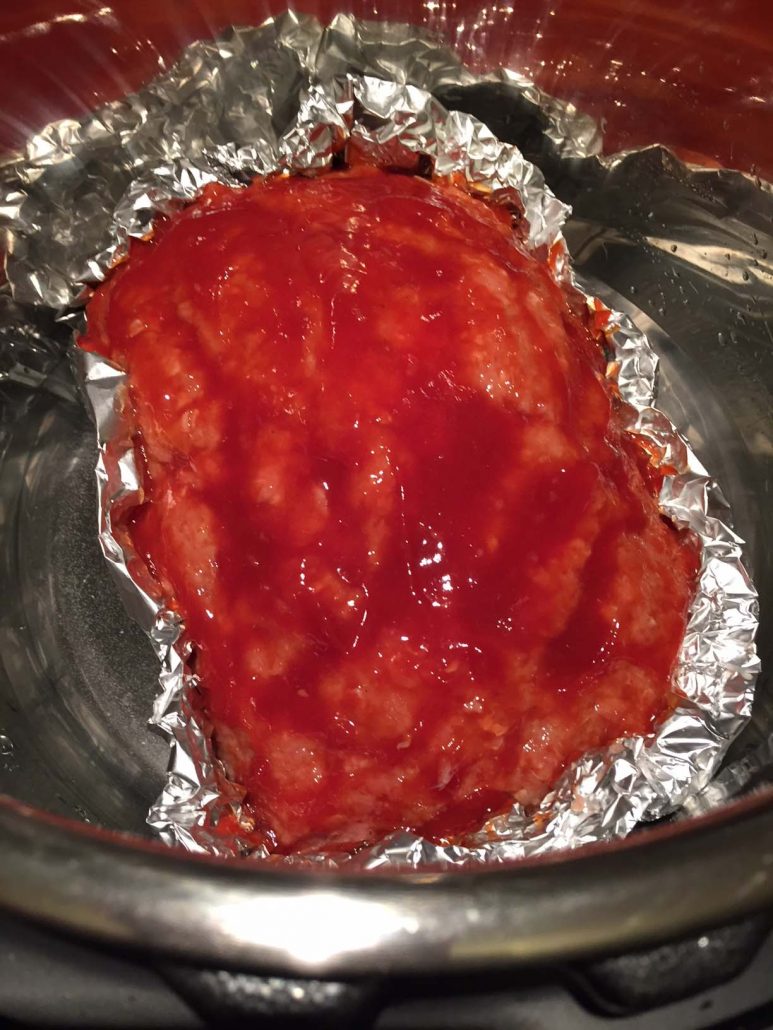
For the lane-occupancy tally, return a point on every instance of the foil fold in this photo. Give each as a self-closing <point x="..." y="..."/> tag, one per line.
<point x="288" y="97"/>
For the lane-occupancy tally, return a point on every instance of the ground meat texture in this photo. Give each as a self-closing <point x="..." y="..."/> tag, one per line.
<point x="387" y="487"/>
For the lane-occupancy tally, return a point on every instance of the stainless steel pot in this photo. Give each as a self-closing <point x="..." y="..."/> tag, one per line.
<point x="77" y="677"/>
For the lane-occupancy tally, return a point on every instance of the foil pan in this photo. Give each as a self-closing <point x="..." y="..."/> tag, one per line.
<point x="288" y="96"/>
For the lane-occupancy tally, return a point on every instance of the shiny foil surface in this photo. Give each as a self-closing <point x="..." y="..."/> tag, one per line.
<point x="288" y="96"/>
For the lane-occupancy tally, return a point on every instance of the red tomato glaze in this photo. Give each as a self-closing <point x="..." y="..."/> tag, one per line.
<point x="388" y="489"/>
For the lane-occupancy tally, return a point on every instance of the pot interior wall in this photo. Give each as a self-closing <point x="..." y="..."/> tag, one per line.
<point x="77" y="677"/>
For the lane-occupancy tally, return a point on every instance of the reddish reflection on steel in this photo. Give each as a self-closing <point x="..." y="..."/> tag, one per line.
<point x="694" y="74"/>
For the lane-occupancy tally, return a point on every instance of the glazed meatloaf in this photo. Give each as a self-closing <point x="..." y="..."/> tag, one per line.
<point x="386" y="484"/>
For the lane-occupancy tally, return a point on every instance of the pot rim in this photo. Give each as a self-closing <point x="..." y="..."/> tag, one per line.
<point x="135" y="893"/>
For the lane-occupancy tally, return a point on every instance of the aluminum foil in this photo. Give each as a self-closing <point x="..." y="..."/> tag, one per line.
<point x="287" y="97"/>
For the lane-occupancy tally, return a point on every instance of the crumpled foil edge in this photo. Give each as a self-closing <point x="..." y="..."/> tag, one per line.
<point x="605" y="793"/>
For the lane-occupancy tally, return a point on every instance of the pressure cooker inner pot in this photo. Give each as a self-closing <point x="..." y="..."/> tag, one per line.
<point x="685" y="250"/>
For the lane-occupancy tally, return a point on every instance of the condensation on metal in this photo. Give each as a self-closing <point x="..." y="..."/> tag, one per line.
<point x="286" y="97"/>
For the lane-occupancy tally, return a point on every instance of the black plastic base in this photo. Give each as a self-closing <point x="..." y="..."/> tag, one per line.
<point x="721" y="979"/>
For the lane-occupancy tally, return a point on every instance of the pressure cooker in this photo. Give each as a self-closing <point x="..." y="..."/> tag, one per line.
<point x="104" y="925"/>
